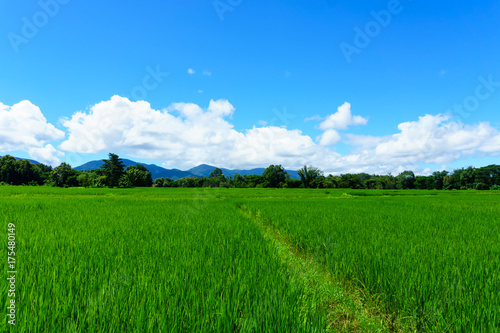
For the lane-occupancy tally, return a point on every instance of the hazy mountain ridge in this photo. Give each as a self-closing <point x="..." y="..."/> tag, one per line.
<point x="202" y="170"/>
<point x="156" y="171"/>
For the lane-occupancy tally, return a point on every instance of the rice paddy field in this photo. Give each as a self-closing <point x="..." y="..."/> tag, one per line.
<point x="250" y="260"/>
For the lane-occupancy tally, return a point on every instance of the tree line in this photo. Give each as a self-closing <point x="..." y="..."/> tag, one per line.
<point x="114" y="174"/>
<point x="486" y="178"/>
<point x="111" y="174"/>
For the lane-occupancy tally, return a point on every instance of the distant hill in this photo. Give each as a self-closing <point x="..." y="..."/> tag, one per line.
<point x="32" y="161"/>
<point x="202" y="170"/>
<point x="156" y="171"/>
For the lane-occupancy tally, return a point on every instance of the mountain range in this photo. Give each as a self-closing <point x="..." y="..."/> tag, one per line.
<point x="156" y="171"/>
<point x="202" y="170"/>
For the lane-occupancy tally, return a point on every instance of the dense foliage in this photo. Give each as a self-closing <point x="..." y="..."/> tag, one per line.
<point x="22" y="172"/>
<point x="114" y="174"/>
<point x="484" y="178"/>
<point x="111" y="174"/>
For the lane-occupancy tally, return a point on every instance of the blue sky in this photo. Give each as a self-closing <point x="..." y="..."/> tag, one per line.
<point x="251" y="83"/>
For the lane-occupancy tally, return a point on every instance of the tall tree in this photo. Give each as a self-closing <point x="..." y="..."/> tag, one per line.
<point x="308" y="174"/>
<point x="8" y="170"/>
<point x="43" y="173"/>
<point x="467" y="177"/>
<point x="423" y="182"/>
<point x="215" y="173"/>
<point x="405" y="180"/>
<point x="113" y="169"/>
<point x="138" y="176"/>
<point x="64" y="175"/>
<point x="438" y="178"/>
<point x="274" y="175"/>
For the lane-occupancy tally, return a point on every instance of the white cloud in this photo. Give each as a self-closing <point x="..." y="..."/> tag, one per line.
<point x="46" y="155"/>
<point x="492" y="146"/>
<point x="329" y="137"/>
<point x="185" y="135"/>
<point x="260" y="146"/>
<point x="191" y="71"/>
<point x="364" y="141"/>
<point x="23" y="127"/>
<point x="342" y="119"/>
<point x="200" y="91"/>
<point x="426" y="172"/>
<point x="435" y="139"/>
<point x="207" y="73"/>
<point x="432" y="139"/>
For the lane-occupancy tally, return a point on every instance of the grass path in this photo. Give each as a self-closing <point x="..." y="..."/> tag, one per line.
<point x="346" y="308"/>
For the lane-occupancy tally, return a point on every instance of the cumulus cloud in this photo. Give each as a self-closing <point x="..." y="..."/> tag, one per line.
<point x="191" y="71"/>
<point x="260" y="146"/>
<point x="339" y="120"/>
<point x="46" y="155"/>
<point x="342" y="119"/>
<point x="432" y="139"/>
<point x="364" y="141"/>
<point x="329" y="137"/>
<point x="435" y="139"/>
<point x="207" y="73"/>
<point x="184" y="135"/>
<point x="492" y="148"/>
<point x="23" y="127"/>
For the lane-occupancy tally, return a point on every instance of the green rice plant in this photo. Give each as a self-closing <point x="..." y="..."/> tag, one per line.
<point x="253" y="260"/>
<point x="434" y="260"/>
<point x="146" y="260"/>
